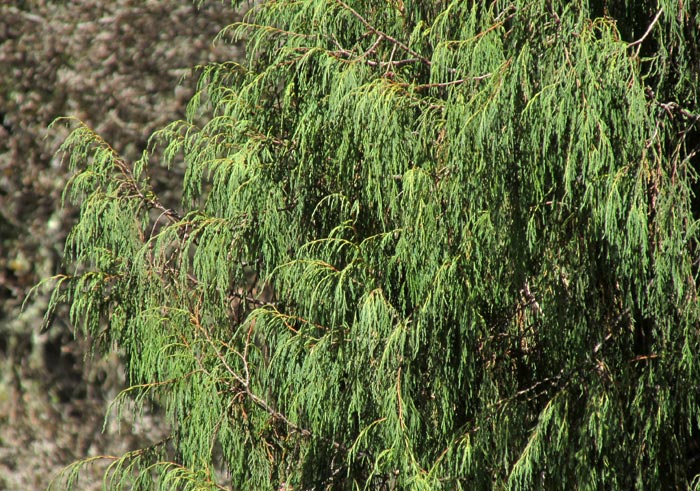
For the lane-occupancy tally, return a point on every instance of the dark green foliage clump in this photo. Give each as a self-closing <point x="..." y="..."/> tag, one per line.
<point x="422" y="245"/>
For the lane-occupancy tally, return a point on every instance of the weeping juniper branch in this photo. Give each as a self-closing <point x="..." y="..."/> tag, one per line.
<point x="422" y="245"/>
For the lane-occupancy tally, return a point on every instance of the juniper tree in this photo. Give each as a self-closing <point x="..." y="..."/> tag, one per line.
<point x="421" y="245"/>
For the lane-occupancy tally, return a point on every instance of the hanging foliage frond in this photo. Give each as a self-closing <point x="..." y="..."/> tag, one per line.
<point x="421" y="245"/>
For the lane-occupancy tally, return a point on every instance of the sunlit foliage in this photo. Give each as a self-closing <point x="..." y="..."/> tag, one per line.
<point x="422" y="245"/>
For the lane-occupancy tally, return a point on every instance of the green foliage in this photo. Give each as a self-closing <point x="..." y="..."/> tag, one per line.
<point x="422" y="245"/>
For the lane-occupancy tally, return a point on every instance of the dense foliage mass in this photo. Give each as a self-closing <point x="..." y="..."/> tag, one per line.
<point x="422" y="245"/>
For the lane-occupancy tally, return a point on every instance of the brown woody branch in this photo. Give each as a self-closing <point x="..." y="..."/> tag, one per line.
<point x="648" y="31"/>
<point x="129" y="179"/>
<point x="384" y="35"/>
<point x="243" y="382"/>
<point x="447" y="84"/>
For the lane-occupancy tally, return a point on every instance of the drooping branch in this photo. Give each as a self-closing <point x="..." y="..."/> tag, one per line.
<point x="243" y="382"/>
<point x="128" y="178"/>
<point x="384" y="35"/>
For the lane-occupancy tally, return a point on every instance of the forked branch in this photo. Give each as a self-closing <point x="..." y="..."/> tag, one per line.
<point x="384" y="35"/>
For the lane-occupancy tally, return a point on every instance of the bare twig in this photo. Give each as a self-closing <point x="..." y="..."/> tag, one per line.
<point x="130" y="180"/>
<point x="352" y="57"/>
<point x="373" y="48"/>
<point x="531" y="299"/>
<point x="670" y="107"/>
<point x="244" y="383"/>
<point x="447" y="84"/>
<point x="384" y="35"/>
<point x="394" y="64"/>
<point x="648" y="31"/>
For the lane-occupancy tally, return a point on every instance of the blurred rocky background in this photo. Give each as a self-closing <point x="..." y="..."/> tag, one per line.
<point x="124" y="67"/>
